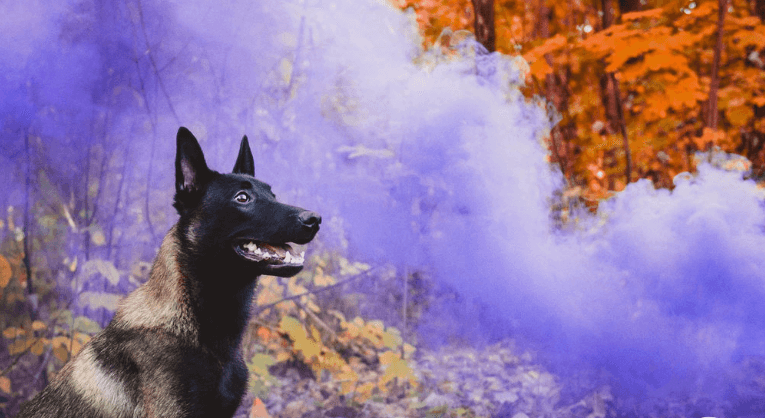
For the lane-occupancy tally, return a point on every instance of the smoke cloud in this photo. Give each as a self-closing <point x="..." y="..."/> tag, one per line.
<point x="434" y="165"/>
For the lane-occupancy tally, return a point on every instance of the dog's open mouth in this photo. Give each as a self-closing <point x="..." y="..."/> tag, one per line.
<point x="271" y="254"/>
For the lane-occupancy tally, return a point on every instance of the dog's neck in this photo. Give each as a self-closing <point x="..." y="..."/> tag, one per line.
<point x="191" y="296"/>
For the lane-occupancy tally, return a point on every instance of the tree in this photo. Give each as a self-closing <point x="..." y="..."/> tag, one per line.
<point x="634" y="81"/>
<point x="483" y="11"/>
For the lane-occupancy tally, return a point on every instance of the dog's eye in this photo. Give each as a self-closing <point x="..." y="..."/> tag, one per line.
<point x="242" y="198"/>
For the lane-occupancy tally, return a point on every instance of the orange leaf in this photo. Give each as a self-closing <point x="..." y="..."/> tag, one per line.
<point x="259" y="409"/>
<point x="540" y="68"/>
<point x="547" y="47"/>
<point x="5" y="384"/>
<point x="680" y="41"/>
<point x="663" y="59"/>
<point x="264" y="334"/>
<point x="750" y="38"/>
<point x="739" y="116"/>
<point x="5" y="272"/>
<point x="652" y="13"/>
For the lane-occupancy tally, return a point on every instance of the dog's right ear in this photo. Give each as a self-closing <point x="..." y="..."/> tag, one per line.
<point x="244" y="162"/>
<point x="191" y="172"/>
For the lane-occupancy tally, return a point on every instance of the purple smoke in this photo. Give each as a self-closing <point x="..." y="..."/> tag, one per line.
<point x="436" y="165"/>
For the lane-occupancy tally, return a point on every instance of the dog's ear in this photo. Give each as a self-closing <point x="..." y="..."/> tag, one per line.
<point x="191" y="172"/>
<point x="244" y="162"/>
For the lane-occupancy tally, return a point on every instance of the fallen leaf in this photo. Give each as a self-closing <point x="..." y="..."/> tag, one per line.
<point x="259" y="409"/>
<point x="5" y="384"/>
<point x="5" y="272"/>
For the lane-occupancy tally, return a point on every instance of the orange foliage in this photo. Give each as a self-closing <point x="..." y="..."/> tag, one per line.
<point x="661" y="57"/>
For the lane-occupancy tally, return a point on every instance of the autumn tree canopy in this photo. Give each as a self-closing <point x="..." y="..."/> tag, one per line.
<point x="640" y="86"/>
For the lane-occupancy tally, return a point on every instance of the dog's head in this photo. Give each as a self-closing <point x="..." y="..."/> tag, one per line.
<point x="236" y="217"/>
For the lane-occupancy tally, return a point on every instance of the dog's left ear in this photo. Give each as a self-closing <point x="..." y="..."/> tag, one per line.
<point x="191" y="172"/>
<point x="244" y="162"/>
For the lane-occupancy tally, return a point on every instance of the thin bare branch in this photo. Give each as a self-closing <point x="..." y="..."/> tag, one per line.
<point x="258" y="309"/>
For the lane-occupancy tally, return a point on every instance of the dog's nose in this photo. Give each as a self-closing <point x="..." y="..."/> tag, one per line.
<point x="309" y="219"/>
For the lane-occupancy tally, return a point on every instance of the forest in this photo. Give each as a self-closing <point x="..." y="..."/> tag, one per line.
<point x="539" y="208"/>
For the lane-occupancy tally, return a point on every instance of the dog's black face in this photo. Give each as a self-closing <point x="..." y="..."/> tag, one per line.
<point x="243" y="224"/>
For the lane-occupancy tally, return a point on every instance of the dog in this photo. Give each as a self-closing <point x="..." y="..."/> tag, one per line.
<point x="173" y="346"/>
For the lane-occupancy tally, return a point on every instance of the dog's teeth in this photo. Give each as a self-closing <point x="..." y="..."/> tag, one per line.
<point x="288" y="258"/>
<point x="252" y="247"/>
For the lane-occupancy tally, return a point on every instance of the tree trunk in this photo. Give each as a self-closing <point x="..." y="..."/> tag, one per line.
<point x="611" y="96"/>
<point x="484" y="24"/>
<point x="626" y="6"/>
<point x="553" y="91"/>
<point x="714" y="83"/>
<point x="759" y="8"/>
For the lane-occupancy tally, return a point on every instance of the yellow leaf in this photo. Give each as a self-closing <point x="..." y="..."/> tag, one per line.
<point x="347" y="378"/>
<point x="5" y="272"/>
<point x="38" y="325"/>
<point x="60" y="340"/>
<point x="80" y="340"/>
<point x="5" y="384"/>
<point x="293" y="328"/>
<point x="61" y="353"/>
<point x="38" y="347"/>
<point x="321" y="279"/>
<point x="19" y="346"/>
<point x="285" y="70"/>
<point x="409" y="349"/>
<point x="364" y="392"/>
<point x="388" y="357"/>
<point x="391" y="340"/>
<point x="397" y="368"/>
<point x="12" y="332"/>
<point x="315" y="333"/>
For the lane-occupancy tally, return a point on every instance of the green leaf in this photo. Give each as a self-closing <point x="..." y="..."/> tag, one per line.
<point x="260" y="363"/>
<point x="87" y="325"/>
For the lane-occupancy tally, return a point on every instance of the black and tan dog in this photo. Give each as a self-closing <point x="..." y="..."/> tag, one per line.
<point x="173" y="347"/>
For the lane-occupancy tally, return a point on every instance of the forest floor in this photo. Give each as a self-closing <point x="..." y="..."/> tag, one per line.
<point x="493" y="381"/>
